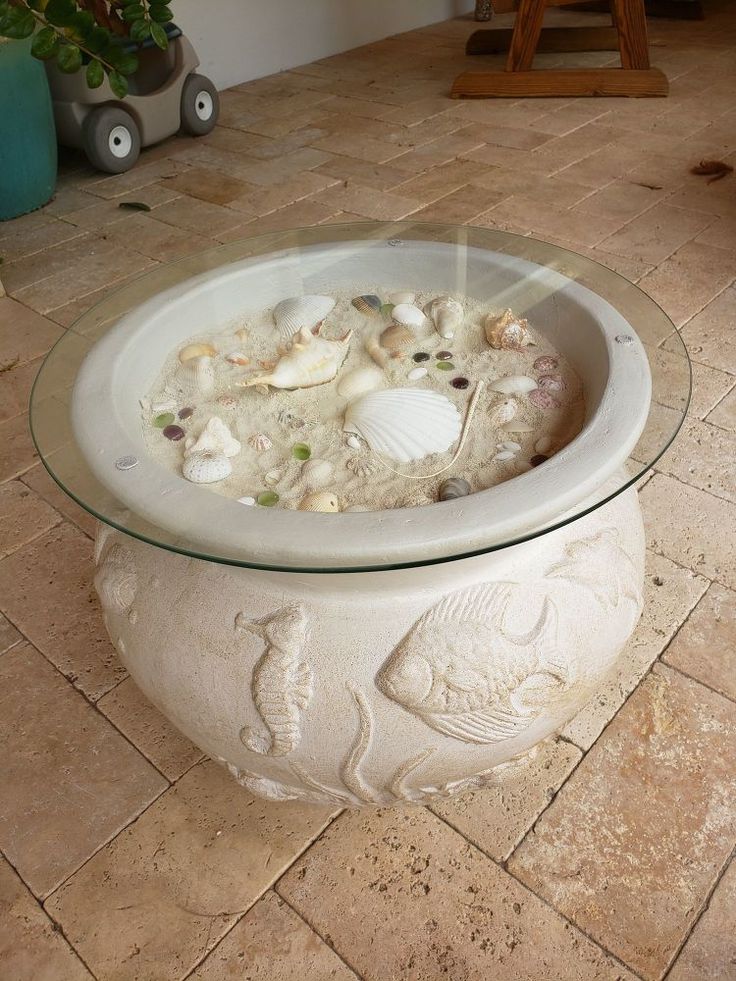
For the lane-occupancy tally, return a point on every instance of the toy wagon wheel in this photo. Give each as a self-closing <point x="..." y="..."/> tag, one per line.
<point x="200" y="105"/>
<point x="111" y="139"/>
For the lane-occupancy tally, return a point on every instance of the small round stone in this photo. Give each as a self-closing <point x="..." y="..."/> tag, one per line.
<point x="163" y="419"/>
<point x="126" y="462"/>
<point x="416" y="373"/>
<point x="624" y="339"/>
<point x="445" y="366"/>
<point x="420" y="356"/>
<point x="538" y="458"/>
<point x="545" y="363"/>
<point x="186" y="413"/>
<point x="249" y="501"/>
<point x="300" y="451"/>
<point x="460" y="382"/>
<point x="267" y="499"/>
<point x="444" y="355"/>
<point x="173" y="432"/>
<point x="386" y="309"/>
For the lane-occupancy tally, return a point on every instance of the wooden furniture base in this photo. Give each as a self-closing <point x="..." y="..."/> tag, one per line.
<point x="561" y="83"/>
<point x="551" y="39"/>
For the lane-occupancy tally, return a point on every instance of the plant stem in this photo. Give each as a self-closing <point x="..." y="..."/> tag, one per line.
<point x="57" y="30"/>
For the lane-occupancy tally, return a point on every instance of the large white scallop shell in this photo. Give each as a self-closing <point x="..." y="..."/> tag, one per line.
<point x="301" y="313"/>
<point x="359" y="381"/>
<point x="513" y="385"/>
<point x="404" y="424"/>
<point x="214" y="438"/>
<point x="446" y="314"/>
<point x="206" y="467"/>
<point x="196" y="376"/>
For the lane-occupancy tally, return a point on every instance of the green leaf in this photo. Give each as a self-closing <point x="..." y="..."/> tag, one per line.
<point x="97" y="40"/>
<point x="69" y="58"/>
<point x="18" y="23"/>
<point x="4" y="9"/>
<point x="118" y="83"/>
<point x="81" y="26"/>
<point x="134" y="206"/>
<point x="124" y="62"/>
<point x="159" y="35"/>
<point x="139" y="30"/>
<point x="160" y="12"/>
<point x="60" y="13"/>
<point x="134" y="12"/>
<point x="95" y="74"/>
<point x="39" y="5"/>
<point x="45" y="44"/>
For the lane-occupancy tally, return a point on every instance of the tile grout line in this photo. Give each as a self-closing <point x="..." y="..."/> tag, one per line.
<point x="324" y="939"/>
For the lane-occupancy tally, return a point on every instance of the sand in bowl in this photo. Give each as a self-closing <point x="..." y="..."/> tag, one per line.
<point x="429" y="398"/>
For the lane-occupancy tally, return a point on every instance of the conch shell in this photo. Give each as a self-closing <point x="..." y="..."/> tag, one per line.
<point x="310" y="360"/>
<point x="214" y="438"/>
<point x="507" y="332"/>
<point x="446" y="314"/>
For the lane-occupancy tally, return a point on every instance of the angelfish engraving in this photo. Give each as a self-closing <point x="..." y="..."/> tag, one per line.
<point x="282" y="682"/>
<point x="461" y="672"/>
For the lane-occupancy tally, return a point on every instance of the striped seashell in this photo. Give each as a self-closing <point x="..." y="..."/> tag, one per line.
<point x="301" y="313"/>
<point x="260" y="442"/>
<point x="452" y="488"/>
<point x="196" y="376"/>
<point x="503" y="412"/>
<point x="397" y="337"/>
<point x="198" y="350"/>
<point x="369" y="304"/>
<point x="206" y="467"/>
<point x="324" y="501"/>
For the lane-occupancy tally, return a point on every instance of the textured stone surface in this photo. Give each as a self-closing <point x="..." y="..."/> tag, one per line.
<point x="154" y="901"/>
<point x="636" y="838"/>
<point x="23" y="516"/>
<point x="30" y="949"/>
<point x="402" y="895"/>
<point x="70" y="780"/>
<point x="705" y="645"/>
<point x="272" y="943"/>
<point x="710" y="952"/>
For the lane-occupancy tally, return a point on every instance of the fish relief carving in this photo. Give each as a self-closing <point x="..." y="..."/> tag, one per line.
<point x="282" y="682"/>
<point x="464" y="674"/>
<point x="116" y="579"/>
<point x="601" y="566"/>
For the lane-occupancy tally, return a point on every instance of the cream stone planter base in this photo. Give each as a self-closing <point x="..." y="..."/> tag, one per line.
<point x="370" y="688"/>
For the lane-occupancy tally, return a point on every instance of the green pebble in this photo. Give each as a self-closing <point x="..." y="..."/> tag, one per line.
<point x="386" y="310"/>
<point x="267" y="499"/>
<point x="445" y="366"/>
<point x="163" y="420"/>
<point x="301" y="451"/>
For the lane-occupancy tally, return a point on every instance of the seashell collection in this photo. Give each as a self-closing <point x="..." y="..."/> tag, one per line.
<point x="376" y="398"/>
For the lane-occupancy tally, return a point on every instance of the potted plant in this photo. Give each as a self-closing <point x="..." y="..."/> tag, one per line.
<point x="121" y="74"/>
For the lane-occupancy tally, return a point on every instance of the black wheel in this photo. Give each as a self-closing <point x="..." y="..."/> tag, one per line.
<point x="111" y="139"/>
<point x="200" y="105"/>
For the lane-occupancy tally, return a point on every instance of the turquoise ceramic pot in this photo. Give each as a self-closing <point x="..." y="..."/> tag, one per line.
<point x="27" y="134"/>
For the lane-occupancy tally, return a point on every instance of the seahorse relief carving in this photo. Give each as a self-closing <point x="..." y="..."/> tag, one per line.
<point x="116" y="579"/>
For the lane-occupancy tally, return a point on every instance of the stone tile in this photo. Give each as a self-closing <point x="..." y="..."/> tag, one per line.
<point x="68" y="313"/>
<point x="438" y="152"/>
<point x="691" y="527"/>
<point x="9" y="636"/>
<point x="23" y="516"/>
<point x="30" y="947"/>
<point x="460" y="206"/>
<point x="209" y="185"/>
<point x="709" y="336"/>
<point x="143" y="174"/>
<point x="669" y="373"/>
<point x="724" y="414"/>
<point x="130" y="711"/>
<point x="427" y="904"/>
<point x="17" y="242"/>
<point x="198" y="216"/>
<point x="703" y="456"/>
<point x="15" y="387"/>
<point x="267" y="199"/>
<point x="100" y="215"/>
<point x="366" y="201"/>
<point x="689" y="279"/>
<point x="600" y="168"/>
<point x="721" y="233"/>
<point x="657" y="233"/>
<point x="548" y="219"/>
<point x="47" y="592"/>
<point x="301" y="214"/>
<point x="522" y="138"/>
<point x="70" y="780"/>
<point x="69" y="199"/>
<point x="635" y="839"/>
<point x="157" y="239"/>
<point x="272" y="943"/>
<point x="34" y="268"/>
<point x="620" y="199"/>
<point x="267" y="172"/>
<point x="24" y="335"/>
<point x="705" y="645"/>
<point x="710" y="952"/>
<point x="40" y="481"/>
<point x="496" y="818"/>
<point x="360" y="147"/>
<point x="441" y="181"/>
<point x="155" y="900"/>
<point x="670" y="593"/>
<point x="18" y="452"/>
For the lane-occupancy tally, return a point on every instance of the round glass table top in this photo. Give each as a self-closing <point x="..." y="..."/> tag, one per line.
<point x="86" y="401"/>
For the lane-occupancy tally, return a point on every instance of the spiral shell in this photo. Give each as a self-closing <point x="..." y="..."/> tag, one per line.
<point x="446" y="314"/>
<point x="260" y="442"/>
<point x="503" y="412"/>
<point x="396" y="337"/>
<point x="301" y="313"/>
<point x="324" y="501"/>
<point x="359" y="381"/>
<point x="452" y="488"/>
<point x="196" y="375"/>
<point x="199" y="350"/>
<point x="507" y="332"/>
<point x="206" y="467"/>
<point x="362" y="466"/>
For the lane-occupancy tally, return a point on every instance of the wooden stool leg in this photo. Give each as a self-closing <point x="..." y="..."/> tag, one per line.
<point x="524" y="41"/>
<point x="631" y="23"/>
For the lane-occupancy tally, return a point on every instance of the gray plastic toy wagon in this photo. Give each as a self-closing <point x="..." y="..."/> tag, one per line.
<point x="165" y="95"/>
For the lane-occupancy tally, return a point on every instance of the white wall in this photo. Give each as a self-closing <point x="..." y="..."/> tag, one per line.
<point x="237" y="40"/>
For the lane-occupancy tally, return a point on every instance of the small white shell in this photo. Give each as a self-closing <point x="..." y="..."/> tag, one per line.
<point x="249" y="501"/>
<point x="301" y="313"/>
<point x="510" y="445"/>
<point x="401" y="296"/>
<point x="513" y="384"/>
<point x="416" y="373"/>
<point x="196" y="376"/>
<point x="517" y="426"/>
<point x="202" y="350"/>
<point x="324" y="501"/>
<point x="503" y="413"/>
<point x="446" y="314"/>
<point x="353" y="441"/>
<point x="214" y="438"/>
<point x="504" y="455"/>
<point x="162" y="405"/>
<point x="260" y="442"/>
<point x="272" y="477"/>
<point x="405" y="424"/>
<point x="317" y="473"/>
<point x="360" y="380"/>
<point x="543" y="444"/>
<point x="237" y="357"/>
<point x="206" y="467"/>
<point x="408" y="315"/>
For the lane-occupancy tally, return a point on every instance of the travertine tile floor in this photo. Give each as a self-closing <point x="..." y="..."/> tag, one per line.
<point x="129" y="856"/>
